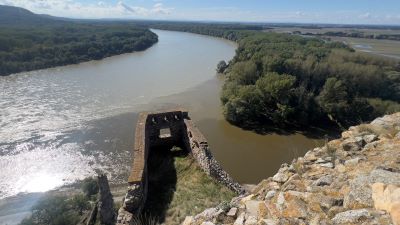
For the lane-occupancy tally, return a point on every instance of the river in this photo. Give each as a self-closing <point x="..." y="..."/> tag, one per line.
<point x="63" y="124"/>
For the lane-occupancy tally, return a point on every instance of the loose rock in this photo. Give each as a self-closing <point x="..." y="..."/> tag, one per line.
<point x="351" y="216"/>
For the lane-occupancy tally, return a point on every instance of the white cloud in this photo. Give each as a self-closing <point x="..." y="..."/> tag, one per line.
<point x="100" y="9"/>
<point x="365" y="15"/>
<point x="238" y="14"/>
<point x="121" y="9"/>
<point x="158" y="5"/>
<point x="160" y="9"/>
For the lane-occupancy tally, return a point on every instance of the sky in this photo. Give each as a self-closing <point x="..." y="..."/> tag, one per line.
<point x="299" y="11"/>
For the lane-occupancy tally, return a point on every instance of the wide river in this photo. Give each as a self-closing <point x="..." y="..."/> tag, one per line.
<point x="63" y="124"/>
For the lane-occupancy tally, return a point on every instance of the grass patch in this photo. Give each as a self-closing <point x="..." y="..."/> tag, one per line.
<point x="389" y="132"/>
<point x="178" y="187"/>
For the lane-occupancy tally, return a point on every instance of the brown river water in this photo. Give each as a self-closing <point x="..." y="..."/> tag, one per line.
<point x="63" y="124"/>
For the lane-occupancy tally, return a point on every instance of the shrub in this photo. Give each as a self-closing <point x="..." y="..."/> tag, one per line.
<point x="53" y="210"/>
<point x="90" y="186"/>
<point x="80" y="202"/>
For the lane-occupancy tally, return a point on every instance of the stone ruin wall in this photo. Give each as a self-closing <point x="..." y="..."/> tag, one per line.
<point x="200" y="150"/>
<point x="182" y="131"/>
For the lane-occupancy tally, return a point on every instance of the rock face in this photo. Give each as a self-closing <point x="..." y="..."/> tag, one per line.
<point x="387" y="197"/>
<point x="351" y="180"/>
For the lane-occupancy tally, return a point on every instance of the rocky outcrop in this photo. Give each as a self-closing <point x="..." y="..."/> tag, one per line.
<point x="351" y="180"/>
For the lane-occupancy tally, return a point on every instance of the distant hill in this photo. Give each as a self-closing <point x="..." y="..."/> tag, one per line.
<point x="10" y="15"/>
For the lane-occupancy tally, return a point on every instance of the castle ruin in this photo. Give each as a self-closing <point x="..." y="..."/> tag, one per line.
<point x="166" y="129"/>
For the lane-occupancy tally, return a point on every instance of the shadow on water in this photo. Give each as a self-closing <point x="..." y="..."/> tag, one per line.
<point x="329" y="130"/>
<point x="162" y="181"/>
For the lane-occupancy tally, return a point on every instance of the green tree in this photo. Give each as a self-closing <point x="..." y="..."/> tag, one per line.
<point x="334" y="99"/>
<point x="90" y="186"/>
<point x="244" y="73"/>
<point x="221" y="67"/>
<point x="80" y="202"/>
<point x="277" y="93"/>
<point x="52" y="210"/>
<point x="244" y="108"/>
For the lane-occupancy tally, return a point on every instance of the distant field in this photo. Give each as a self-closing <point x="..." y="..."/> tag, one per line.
<point x="333" y="29"/>
<point x="387" y="48"/>
<point x="380" y="47"/>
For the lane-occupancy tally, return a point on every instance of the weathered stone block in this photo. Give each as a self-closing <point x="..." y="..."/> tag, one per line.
<point x="351" y="216"/>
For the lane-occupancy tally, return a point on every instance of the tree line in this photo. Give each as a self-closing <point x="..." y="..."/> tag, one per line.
<point x="25" y="48"/>
<point x="281" y="80"/>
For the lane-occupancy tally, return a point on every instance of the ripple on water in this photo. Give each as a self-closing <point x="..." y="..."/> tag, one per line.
<point x="49" y="133"/>
<point x="42" y="168"/>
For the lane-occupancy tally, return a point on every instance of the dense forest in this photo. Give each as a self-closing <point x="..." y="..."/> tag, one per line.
<point x="40" y="44"/>
<point x="287" y="80"/>
<point x="281" y="80"/>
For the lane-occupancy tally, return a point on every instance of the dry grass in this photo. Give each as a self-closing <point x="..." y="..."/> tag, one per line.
<point x="195" y="192"/>
<point x="331" y="153"/>
<point x="389" y="132"/>
<point x="298" y="167"/>
<point x="179" y="188"/>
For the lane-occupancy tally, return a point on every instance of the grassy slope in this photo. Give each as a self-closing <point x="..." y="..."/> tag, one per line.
<point x="178" y="188"/>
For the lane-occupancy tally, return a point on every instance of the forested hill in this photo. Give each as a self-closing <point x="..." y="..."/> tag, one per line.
<point x="29" y="41"/>
<point x="12" y="16"/>
<point x="279" y="81"/>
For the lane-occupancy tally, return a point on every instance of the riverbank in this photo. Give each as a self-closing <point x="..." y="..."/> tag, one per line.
<point x="77" y="119"/>
<point x="74" y="120"/>
<point x="46" y="42"/>
<point x="233" y="147"/>
<point x="351" y="180"/>
<point x="225" y="142"/>
<point x="63" y="124"/>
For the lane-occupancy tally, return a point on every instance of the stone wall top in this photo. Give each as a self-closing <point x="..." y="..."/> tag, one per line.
<point x="139" y="152"/>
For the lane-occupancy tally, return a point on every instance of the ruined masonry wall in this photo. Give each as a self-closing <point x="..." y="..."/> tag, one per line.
<point x="201" y="152"/>
<point x="182" y="131"/>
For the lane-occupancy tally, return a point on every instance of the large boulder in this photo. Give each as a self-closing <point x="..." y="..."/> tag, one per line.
<point x="360" y="195"/>
<point x="387" y="121"/>
<point x="387" y="197"/>
<point x="353" y="144"/>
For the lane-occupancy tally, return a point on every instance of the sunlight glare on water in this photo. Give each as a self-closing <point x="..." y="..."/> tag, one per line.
<point x="42" y="168"/>
<point x="42" y="182"/>
<point x="63" y="124"/>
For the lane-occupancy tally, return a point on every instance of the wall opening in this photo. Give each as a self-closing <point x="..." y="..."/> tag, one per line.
<point x="165" y="133"/>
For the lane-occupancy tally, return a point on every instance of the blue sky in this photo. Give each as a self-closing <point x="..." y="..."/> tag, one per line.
<point x="301" y="11"/>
